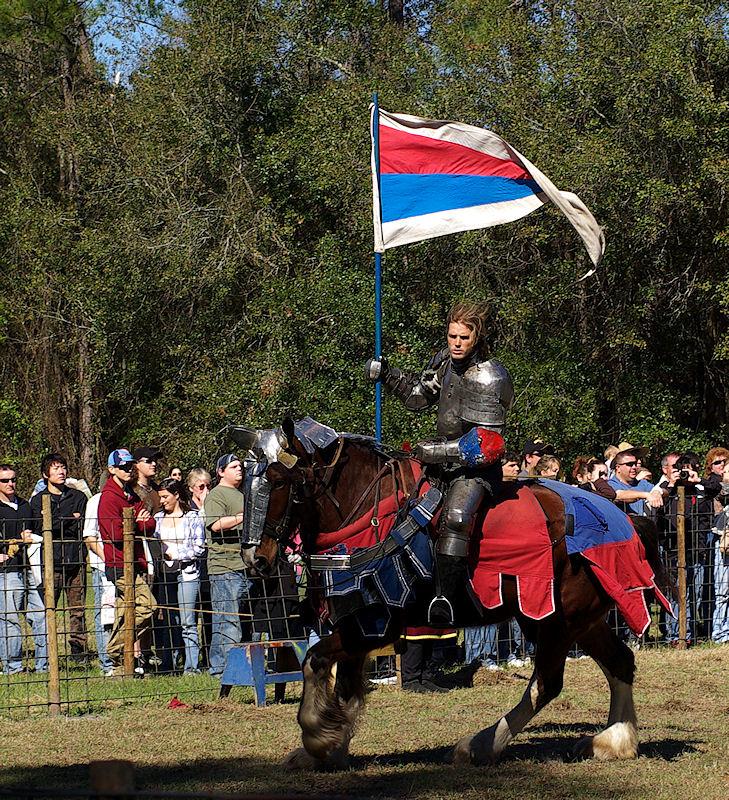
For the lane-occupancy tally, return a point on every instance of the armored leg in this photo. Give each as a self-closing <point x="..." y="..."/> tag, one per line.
<point x="462" y="504"/>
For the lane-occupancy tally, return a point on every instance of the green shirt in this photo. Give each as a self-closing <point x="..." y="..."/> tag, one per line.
<point x="223" y="546"/>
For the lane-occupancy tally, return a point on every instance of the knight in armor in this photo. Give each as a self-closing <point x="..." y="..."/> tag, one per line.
<point x="474" y="395"/>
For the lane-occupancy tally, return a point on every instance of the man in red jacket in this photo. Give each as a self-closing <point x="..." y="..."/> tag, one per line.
<point x="115" y="497"/>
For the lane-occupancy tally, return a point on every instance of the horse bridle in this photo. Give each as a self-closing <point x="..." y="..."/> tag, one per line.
<point x="299" y="492"/>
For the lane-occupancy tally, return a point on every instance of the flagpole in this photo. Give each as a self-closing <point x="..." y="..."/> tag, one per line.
<point x="378" y="282"/>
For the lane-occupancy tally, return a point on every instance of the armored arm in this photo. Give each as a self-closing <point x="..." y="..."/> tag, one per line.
<point x="417" y="392"/>
<point x="479" y="447"/>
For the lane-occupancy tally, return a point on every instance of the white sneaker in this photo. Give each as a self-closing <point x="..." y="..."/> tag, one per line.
<point x="492" y="666"/>
<point x="515" y="662"/>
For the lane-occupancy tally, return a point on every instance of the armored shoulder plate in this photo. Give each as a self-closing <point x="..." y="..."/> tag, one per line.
<point x="487" y="394"/>
<point x="482" y="395"/>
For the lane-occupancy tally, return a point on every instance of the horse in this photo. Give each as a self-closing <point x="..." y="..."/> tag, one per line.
<point x="315" y="490"/>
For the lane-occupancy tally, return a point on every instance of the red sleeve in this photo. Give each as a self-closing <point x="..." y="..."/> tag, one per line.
<point x="110" y="517"/>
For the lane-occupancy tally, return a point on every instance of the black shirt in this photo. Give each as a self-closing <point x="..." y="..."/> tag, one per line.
<point x="67" y="518"/>
<point x="12" y="523"/>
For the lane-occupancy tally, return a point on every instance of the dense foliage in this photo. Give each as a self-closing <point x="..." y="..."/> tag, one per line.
<point x="194" y="247"/>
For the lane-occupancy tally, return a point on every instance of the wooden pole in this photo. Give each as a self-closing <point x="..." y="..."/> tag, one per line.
<point x="49" y="599"/>
<point x="129" y="599"/>
<point x="681" y="564"/>
<point x="109" y="779"/>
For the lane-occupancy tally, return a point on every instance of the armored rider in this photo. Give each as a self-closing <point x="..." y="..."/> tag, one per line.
<point x="473" y="393"/>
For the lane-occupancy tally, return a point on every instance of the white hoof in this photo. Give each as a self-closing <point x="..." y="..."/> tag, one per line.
<point x="618" y="742"/>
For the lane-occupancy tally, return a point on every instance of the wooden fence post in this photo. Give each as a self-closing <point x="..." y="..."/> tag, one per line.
<point x="113" y="777"/>
<point x="681" y="565"/>
<point x="129" y="599"/>
<point x="49" y="599"/>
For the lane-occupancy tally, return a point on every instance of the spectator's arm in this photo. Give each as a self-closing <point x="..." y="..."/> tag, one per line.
<point x="216" y="520"/>
<point x="226" y="523"/>
<point x="95" y="546"/>
<point x="193" y="546"/>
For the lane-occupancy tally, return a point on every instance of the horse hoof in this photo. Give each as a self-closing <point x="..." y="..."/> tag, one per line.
<point x="583" y="749"/>
<point x="462" y="752"/>
<point x="474" y="750"/>
<point x="618" y="742"/>
<point x="299" y="759"/>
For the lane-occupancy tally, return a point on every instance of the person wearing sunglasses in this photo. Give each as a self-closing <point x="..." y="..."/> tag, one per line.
<point x="632" y="495"/>
<point x="17" y="586"/>
<point x="199" y="482"/>
<point x="115" y="497"/>
<point x="714" y="465"/>
<point x="143" y="483"/>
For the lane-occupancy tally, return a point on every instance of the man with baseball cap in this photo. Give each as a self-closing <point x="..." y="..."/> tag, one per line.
<point x="533" y="450"/>
<point x="632" y="494"/>
<point x="115" y="497"/>
<point x="229" y="582"/>
<point x="144" y="486"/>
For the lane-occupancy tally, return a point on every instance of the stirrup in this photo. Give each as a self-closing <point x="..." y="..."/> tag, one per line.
<point x="440" y="612"/>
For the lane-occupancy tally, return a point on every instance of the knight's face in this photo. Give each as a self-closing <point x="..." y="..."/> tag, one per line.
<point x="461" y="340"/>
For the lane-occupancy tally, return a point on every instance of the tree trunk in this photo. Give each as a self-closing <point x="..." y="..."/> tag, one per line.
<point x="396" y="11"/>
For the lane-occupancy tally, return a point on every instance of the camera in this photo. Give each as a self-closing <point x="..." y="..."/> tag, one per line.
<point x="683" y="475"/>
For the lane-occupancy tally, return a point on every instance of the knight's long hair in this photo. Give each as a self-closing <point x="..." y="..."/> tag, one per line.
<point x="473" y="315"/>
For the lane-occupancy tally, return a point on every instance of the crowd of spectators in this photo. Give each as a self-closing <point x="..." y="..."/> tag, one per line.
<point x="190" y="584"/>
<point x="183" y="568"/>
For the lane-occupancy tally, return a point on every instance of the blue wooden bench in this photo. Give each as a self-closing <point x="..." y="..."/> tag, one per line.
<point x="246" y="666"/>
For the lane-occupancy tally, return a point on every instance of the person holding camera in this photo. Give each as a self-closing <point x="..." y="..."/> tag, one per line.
<point x="699" y="514"/>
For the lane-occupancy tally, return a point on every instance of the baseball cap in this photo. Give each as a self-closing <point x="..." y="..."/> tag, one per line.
<point x="537" y="446"/>
<point x="225" y="460"/>
<point x="118" y="458"/>
<point x="146" y="452"/>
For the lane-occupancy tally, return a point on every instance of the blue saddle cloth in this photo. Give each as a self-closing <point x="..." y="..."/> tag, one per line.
<point x="380" y="581"/>
<point x="597" y="521"/>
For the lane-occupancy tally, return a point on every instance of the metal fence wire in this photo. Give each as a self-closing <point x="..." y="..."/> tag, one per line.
<point x="74" y="634"/>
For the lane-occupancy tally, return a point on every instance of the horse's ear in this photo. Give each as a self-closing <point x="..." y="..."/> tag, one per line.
<point x="287" y="426"/>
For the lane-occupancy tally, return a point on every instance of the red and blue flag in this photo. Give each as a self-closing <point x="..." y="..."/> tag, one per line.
<point x="435" y="178"/>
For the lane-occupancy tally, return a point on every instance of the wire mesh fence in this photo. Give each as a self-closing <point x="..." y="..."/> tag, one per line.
<point x="76" y="630"/>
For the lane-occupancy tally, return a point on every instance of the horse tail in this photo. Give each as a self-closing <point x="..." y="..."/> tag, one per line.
<point x="648" y="532"/>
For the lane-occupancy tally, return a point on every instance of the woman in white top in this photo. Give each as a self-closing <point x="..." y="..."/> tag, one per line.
<point x="182" y="535"/>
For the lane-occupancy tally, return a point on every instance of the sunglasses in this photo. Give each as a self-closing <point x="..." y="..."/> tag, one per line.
<point x="128" y="467"/>
<point x="148" y="460"/>
<point x="202" y="486"/>
<point x="8" y="480"/>
<point x="627" y="464"/>
<point x="718" y="462"/>
<point x="602" y="474"/>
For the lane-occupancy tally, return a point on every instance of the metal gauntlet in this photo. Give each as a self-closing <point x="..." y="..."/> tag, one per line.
<point x="438" y="452"/>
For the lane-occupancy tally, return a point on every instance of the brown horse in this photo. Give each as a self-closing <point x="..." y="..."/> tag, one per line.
<point x="319" y="492"/>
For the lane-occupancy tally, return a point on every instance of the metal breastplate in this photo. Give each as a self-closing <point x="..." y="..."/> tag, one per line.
<point x="481" y="396"/>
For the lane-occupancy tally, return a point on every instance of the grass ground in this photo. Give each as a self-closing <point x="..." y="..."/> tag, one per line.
<point x="402" y="745"/>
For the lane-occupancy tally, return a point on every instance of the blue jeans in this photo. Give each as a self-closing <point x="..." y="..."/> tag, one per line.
<point x="102" y="636"/>
<point x="14" y="598"/>
<point x="187" y="592"/>
<point x="720" y="621"/>
<point x="227" y="593"/>
<point x="694" y="588"/>
<point x="481" y="644"/>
